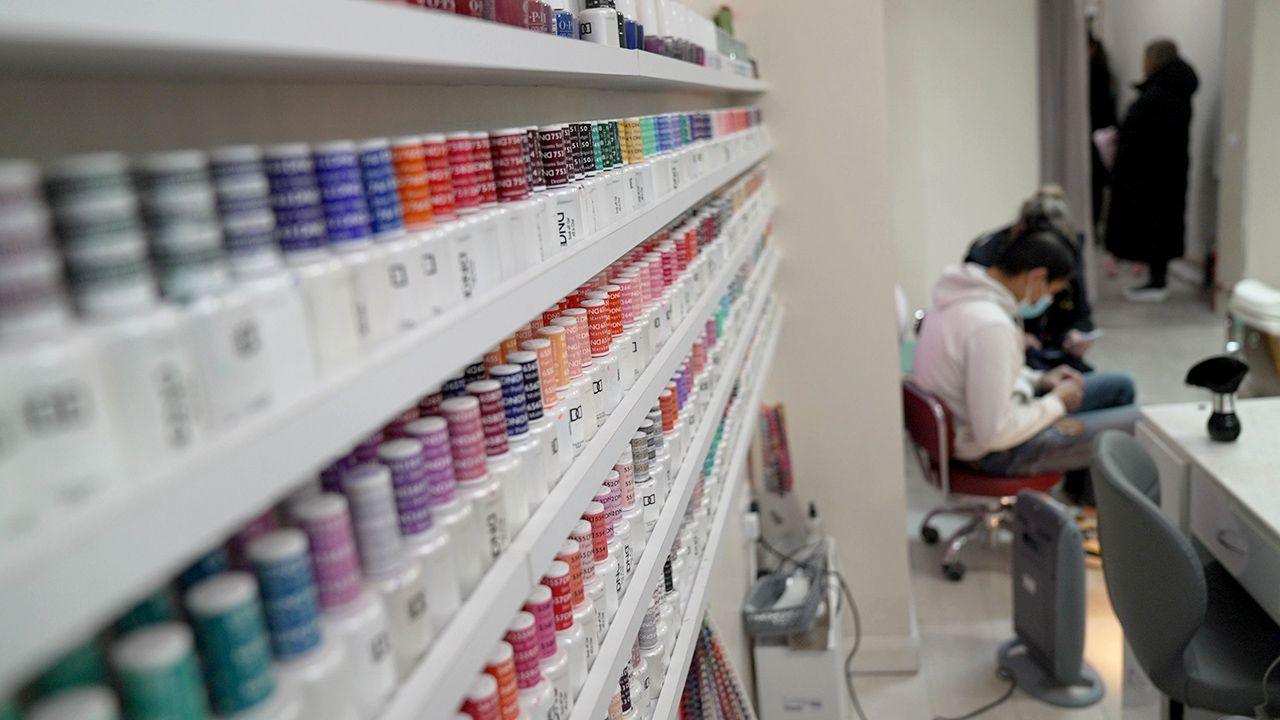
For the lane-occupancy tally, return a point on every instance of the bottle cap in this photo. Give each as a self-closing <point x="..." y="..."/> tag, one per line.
<point x="466" y="184"/>
<point x="379" y="178"/>
<point x="482" y="700"/>
<point x="555" y="155"/>
<point x="501" y="665"/>
<point x="295" y="198"/>
<point x="346" y="211"/>
<point x="373" y="511"/>
<point x="466" y="437"/>
<point x="667" y="404"/>
<point x="326" y="520"/>
<point x="541" y="605"/>
<point x="433" y="433"/>
<point x="283" y="567"/>
<point x="600" y="326"/>
<point x="482" y="162"/>
<point x="522" y="635"/>
<point x="155" y="669"/>
<point x="511" y="378"/>
<point x="586" y="551"/>
<point x="612" y="501"/>
<point x="548" y="372"/>
<point x="560" y="350"/>
<point x="493" y="417"/>
<point x="570" y="554"/>
<point x="576" y="349"/>
<point x="94" y="702"/>
<point x="558" y="580"/>
<point x="511" y="172"/>
<point x="532" y="145"/>
<point x="231" y="634"/>
<point x="640" y="455"/>
<point x="439" y="176"/>
<point x="412" y="178"/>
<point x="533" y="392"/>
<point x="406" y="460"/>
<point x="599" y="524"/>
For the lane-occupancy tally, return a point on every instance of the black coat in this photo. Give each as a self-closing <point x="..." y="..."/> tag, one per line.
<point x="1147" y="217"/>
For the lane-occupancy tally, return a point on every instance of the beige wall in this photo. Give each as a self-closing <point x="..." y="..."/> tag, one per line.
<point x="964" y="126"/>
<point x="837" y="369"/>
<point x="1196" y="26"/>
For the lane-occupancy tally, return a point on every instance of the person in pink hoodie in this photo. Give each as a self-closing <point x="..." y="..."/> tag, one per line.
<point x="1010" y="419"/>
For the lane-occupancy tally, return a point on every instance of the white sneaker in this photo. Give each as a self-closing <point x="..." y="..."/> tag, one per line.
<point x="1146" y="294"/>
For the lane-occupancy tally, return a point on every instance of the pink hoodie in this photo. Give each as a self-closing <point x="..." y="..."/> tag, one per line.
<point x="971" y="355"/>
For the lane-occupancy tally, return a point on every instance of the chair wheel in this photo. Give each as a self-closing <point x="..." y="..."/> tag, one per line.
<point x="929" y="535"/>
<point x="954" y="571"/>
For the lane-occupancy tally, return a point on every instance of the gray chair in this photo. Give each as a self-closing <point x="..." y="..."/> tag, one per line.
<point x="1199" y="636"/>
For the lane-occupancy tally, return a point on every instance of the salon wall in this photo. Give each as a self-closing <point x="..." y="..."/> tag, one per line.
<point x="964" y="127"/>
<point x="1250" y="219"/>
<point x="837" y="367"/>
<point x="1196" y="26"/>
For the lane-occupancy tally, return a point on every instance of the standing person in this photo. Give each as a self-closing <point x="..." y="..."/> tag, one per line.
<point x="1102" y="114"/>
<point x="1146" y="221"/>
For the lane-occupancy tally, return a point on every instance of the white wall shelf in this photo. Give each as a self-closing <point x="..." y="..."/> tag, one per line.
<point x="329" y="40"/>
<point x="439" y="683"/>
<point x="166" y="519"/>
<point x="615" y="648"/>
<point x="667" y="707"/>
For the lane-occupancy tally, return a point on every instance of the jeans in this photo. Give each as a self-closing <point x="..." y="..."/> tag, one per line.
<point x="1108" y="405"/>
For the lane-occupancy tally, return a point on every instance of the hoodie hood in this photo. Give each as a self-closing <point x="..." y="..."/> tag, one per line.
<point x="970" y="283"/>
<point x="1176" y="77"/>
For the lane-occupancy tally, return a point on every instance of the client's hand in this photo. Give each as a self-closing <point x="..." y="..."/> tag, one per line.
<point x="1056" y="376"/>
<point x="1070" y="392"/>
<point x="1076" y="343"/>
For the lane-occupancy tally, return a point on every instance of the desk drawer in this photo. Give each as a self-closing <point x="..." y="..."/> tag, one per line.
<point x="1244" y="549"/>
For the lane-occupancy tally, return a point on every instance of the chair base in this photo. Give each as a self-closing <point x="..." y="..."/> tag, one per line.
<point x="1034" y="681"/>
<point x="980" y="516"/>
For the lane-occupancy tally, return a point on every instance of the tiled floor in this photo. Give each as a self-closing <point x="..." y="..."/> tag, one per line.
<point x="962" y="624"/>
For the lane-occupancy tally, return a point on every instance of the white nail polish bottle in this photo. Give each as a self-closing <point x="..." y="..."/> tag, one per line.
<point x="248" y="228"/>
<point x="554" y="659"/>
<point x="54" y="400"/>
<point x="569" y="634"/>
<point x="555" y="406"/>
<point x="647" y="498"/>
<point x="660" y="461"/>
<point x="351" y="239"/>
<point x="608" y="568"/>
<point x="324" y="281"/>
<point x="353" y="617"/>
<point x="585" y="613"/>
<point x="426" y="543"/>
<point x="578" y="351"/>
<point x="231" y="634"/>
<point x="574" y="390"/>
<point x="503" y="466"/>
<point x="652" y="651"/>
<point x="536" y="695"/>
<point x="638" y="669"/>
<point x="305" y="659"/>
<point x="603" y="363"/>
<point x="611" y="497"/>
<point x="387" y="569"/>
<point x="89" y="702"/>
<point x="186" y="243"/>
<point x="520" y="441"/>
<point x="406" y="283"/>
<point x="453" y="514"/>
<point x="149" y="371"/>
<point x="593" y="587"/>
<point x="542" y="428"/>
<point x="475" y="484"/>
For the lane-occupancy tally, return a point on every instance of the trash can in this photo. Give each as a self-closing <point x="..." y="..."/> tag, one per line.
<point x="1255" y="314"/>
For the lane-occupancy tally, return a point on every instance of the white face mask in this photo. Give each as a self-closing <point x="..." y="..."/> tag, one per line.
<point x="1030" y="310"/>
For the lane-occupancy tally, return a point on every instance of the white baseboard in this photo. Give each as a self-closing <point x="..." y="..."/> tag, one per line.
<point x="888" y="653"/>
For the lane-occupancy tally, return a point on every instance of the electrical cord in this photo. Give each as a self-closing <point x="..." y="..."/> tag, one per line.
<point x="1261" y="711"/>
<point x="853" y="609"/>
<point x="1013" y="685"/>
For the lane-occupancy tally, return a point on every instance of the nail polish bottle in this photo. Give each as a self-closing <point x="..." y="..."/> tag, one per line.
<point x="91" y="702"/>
<point x="542" y="426"/>
<point x="404" y="276"/>
<point x="587" y="614"/>
<point x="428" y="544"/>
<point x="503" y="466"/>
<point x="520" y="441"/>
<point x="626" y="344"/>
<point x="475" y="484"/>
<point x="437" y="254"/>
<point x="468" y="537"/>
<point x="565" y="211"/>
<point x="351" y="239"/>
<point x="569" y="633"/>
<point x="351" y="615"/>
<point x="599" y="24"/>
<point x="604" y="364"/>
<point x="325" y="283"/>
<point x="387" y="569"/>
<point x="610" y="496"/>
<point x="608" y="568"/>
<point x="554" y="659"/>
<point x="554" y="406"/>
<point x="248" y="228"/>
<point x="573" y="390"/>
<point x="501" y="666"/>
<point x="668" y="614"/>
<point x="155" y="670"/>
<point x="482" y="701"/>
<point x="536" y="696"/>
<point x="574" y="323"/>
<point x="54" y="401"/>
<point x="669" y="420"/>
<point x="652" y="650"/>
<point x="638" y="676"/>
<point x="593" y="587"/>
<point x="660" y="459"/>
<point x="149" y="372"/>
<point x="305" y="661"/>
<point x="647" y="498"/>
<point x="231" y="635"/>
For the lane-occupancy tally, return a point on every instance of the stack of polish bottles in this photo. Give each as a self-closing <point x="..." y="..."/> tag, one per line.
<point x="147" y="307"/>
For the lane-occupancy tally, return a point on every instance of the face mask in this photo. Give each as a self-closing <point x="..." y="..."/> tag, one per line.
<point x="1031" y="310"/>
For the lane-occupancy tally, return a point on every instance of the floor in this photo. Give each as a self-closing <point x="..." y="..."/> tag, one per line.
<point x="962" y="624"/>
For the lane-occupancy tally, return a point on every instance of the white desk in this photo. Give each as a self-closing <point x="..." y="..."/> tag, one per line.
<point x="1227" y="495"/>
